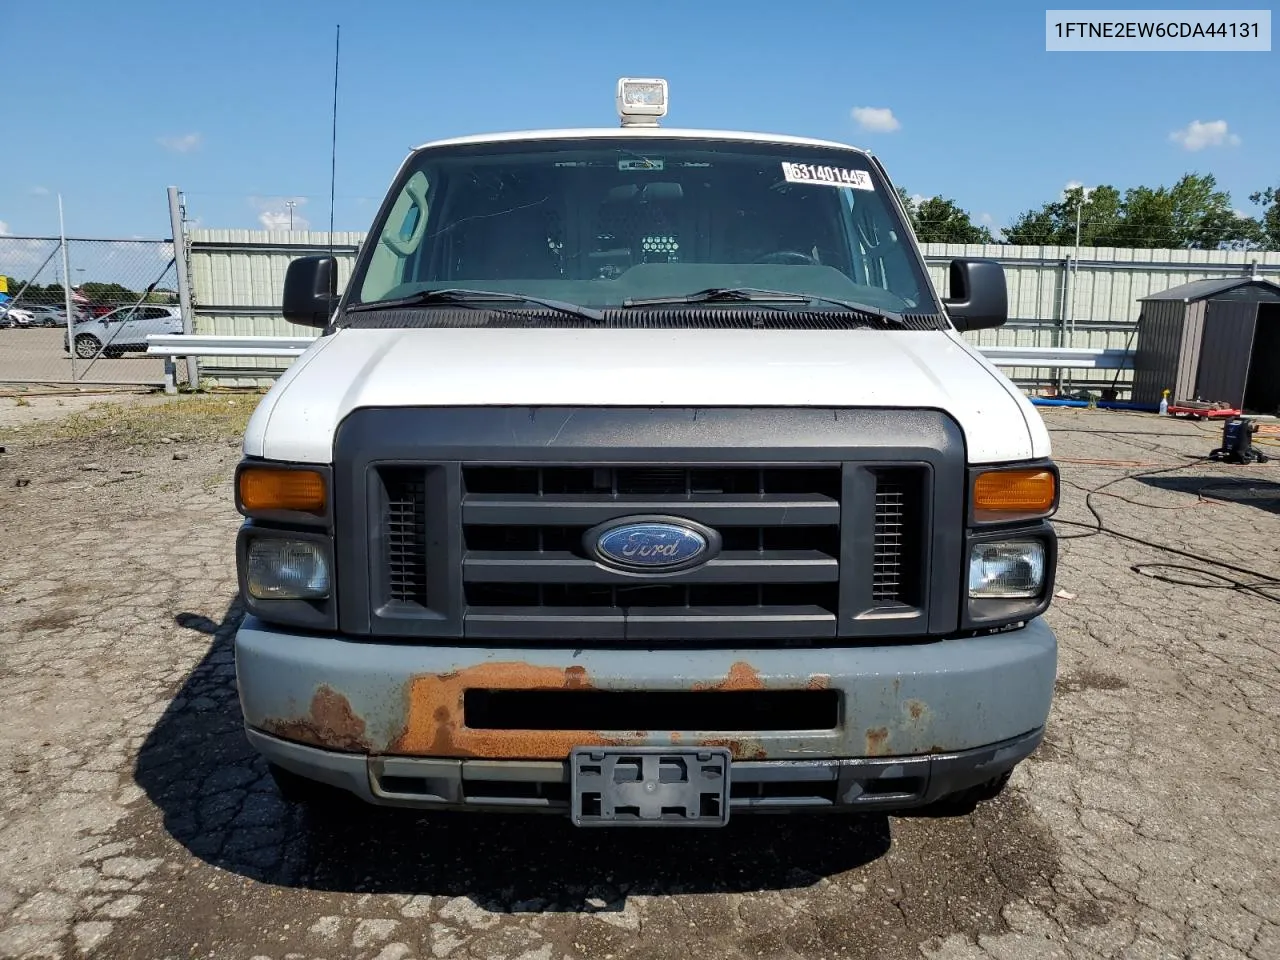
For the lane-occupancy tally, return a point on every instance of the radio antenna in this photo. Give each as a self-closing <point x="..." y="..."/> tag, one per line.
<point x="333" y="146"/>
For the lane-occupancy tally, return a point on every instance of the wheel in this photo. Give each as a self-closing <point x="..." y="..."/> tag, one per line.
<point x="315" y="796"/>
<point x="87" y="346"/>
<point x="964" y="802"/>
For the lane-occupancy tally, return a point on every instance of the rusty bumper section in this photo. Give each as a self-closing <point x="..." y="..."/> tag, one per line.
<point x="401" y="700"/>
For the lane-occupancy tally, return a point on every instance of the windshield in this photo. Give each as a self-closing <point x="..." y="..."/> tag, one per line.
<point x="601" y="223"/>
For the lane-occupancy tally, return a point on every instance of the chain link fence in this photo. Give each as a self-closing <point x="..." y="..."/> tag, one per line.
<point x="120" y="292"/>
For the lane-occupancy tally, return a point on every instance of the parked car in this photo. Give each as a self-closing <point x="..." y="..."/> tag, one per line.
<point x="48" y="316"/>
<point x="123" y="330"/>
<point x="14" y="316"/>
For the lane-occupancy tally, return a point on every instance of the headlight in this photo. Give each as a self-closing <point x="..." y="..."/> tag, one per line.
<point x="1006" y="569"/>
<point x="280" y="569"/>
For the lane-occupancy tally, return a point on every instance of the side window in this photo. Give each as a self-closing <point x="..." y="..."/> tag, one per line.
<point x="393" y="259"/>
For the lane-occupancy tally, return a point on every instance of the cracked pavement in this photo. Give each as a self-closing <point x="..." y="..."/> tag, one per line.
<point x="135" y="821"/>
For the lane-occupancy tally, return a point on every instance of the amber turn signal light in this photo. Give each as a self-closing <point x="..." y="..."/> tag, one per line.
<point x="1014" y="494"/>
<point x="270" y="488"/>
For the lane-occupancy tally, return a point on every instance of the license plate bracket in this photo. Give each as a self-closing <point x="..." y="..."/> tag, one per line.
<point x="649" y="786"/>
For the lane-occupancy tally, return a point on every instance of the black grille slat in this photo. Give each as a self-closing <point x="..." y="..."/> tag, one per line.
<point x="404" y="531"/>
<point x="713" y="509"/>
<point x="621" y="482"/>
<point x="731" y="566"/>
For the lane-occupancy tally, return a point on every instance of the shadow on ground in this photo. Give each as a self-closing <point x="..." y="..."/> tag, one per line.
<point x="218" y="802"/>
<point x="1246" y="491"/>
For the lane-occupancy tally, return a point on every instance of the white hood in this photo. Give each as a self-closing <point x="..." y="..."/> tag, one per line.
<point x="297" y="419"/>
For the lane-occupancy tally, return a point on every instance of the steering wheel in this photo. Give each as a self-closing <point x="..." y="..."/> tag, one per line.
<point x="787" y="256"/>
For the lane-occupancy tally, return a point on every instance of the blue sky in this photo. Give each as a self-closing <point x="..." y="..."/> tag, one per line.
<point x="230" y="100"/>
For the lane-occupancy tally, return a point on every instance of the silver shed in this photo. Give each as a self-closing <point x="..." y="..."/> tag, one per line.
<point x="1212" y="340"/>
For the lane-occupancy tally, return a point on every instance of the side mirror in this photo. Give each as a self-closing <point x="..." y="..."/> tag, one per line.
<point x="979" y="298"/>
<point x="310" y="291"/>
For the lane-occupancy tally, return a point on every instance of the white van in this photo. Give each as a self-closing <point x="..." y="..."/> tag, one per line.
<point x="641" y="475"/>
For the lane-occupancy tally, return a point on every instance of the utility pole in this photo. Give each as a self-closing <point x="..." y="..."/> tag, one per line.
<point x="291" y="204"/>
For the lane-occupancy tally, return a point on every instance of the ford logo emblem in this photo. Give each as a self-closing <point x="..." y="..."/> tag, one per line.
<point x="651" y="544"/>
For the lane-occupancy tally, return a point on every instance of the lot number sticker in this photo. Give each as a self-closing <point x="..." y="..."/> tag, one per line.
<point x="827" y="176"/>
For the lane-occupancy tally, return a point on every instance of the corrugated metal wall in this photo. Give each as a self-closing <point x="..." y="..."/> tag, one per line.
<point x="237" y="279"/>
<point x="1225" y="351"/>
<point x="238" y="275"/>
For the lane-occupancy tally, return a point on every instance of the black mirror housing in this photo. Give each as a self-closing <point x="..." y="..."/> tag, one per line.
<point x="979" y="297"/>
<point x="310" y="291"/>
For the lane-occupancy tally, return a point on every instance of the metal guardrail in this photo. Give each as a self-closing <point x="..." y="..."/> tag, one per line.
<point x="1073" y="358"/>
<point x="199" y="345"/>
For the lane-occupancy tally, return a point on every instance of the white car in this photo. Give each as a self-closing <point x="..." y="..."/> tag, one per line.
<point x="14" y="317"/>
<point x="124" y="330"/>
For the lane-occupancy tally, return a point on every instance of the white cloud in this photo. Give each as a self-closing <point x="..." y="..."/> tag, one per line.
<point x="184" y="143"/>
<point x="28" y="256"/>
<point x="273" y="212"/>
<point x="1196" y="135"/>
<point x="919" y="198"/>
<point x="876" y="119"/>
<point x="39" y="191"/>
<point x="1075" y="185"/>
<point x="987" y="220"/>
<point x="4" y="229"/>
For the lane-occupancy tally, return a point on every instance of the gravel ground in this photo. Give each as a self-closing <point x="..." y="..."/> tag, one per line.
<point x="135" y="821"/>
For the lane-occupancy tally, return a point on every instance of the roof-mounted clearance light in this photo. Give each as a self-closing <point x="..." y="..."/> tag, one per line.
<point x="641" y="102"/>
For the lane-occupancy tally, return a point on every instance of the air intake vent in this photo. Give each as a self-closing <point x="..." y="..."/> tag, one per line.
<point x="404" y="529"/>
<point x="896" y="566"/>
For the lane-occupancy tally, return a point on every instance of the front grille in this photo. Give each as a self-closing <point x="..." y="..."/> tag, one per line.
<point x="469" y="524"/>
<point x="778" y="574"/>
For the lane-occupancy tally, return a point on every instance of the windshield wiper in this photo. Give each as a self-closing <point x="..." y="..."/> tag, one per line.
<point x="738" y="294"/>
<point x="468" y="298"/>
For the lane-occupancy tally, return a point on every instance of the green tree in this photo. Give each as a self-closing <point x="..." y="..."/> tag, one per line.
<point x="105" y="292"/>
<point x="938" y="220"/>
<point x="1055" y="223"/>
<point x="1269" y="222"/>
<point x="1192" y="213"/>
<point x="906" y="202"/>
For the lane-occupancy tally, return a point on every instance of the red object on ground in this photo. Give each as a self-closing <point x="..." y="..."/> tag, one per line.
<point x="1198" y="412"/>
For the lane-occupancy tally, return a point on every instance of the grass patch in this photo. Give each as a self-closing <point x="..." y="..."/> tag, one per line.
<point x="183" y="418"/>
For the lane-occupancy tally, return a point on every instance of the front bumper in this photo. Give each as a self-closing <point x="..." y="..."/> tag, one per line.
<point x="387" y="720"/>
